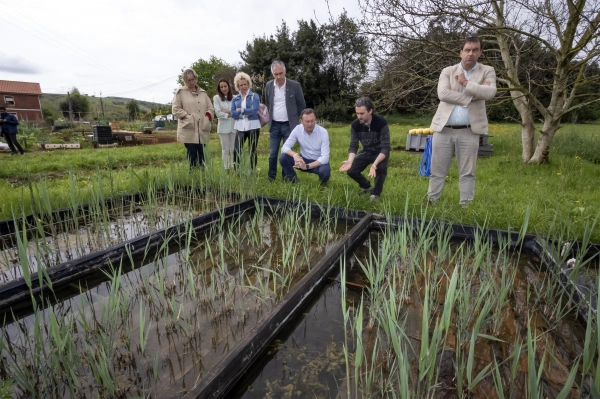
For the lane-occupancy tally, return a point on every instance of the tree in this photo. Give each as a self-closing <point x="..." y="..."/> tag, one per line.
<point x="329" y="61"/>
<point x="518" y="32"/>
<point x="79" y="104"/>
<point x="133" y="109"/>
<point x="206" y="71"/>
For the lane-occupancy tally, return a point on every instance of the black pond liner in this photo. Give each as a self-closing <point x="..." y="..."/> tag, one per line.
<point x="222" y="377"/>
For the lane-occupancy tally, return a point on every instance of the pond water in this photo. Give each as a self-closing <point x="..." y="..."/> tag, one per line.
<point x="309" y="360"/>
<point x="157" y="329"/>
<point x="56" y="243"/>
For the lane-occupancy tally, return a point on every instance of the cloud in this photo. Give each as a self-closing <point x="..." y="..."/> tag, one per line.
<point x="16" y="64"/>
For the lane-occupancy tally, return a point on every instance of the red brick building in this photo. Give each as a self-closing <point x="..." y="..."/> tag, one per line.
<point x="21" y="99"/>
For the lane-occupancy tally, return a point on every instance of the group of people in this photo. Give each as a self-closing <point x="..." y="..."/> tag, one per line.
<point x="459" y="121"/>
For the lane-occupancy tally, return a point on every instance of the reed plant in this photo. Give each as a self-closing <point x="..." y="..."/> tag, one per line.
<point x="486" y="320"/>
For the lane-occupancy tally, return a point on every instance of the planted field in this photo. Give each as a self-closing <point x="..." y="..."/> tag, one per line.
<point x="50" y="241"/>
<point x="155" y="326"/>
<point x="429" y="316"/>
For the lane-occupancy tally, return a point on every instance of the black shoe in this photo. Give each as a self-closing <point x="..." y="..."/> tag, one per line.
<point x="366" y="190"/>
<point x="22" y="153"/>
<point x="13" y="154"/>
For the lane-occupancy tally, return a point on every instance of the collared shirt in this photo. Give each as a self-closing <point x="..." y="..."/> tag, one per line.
<point x="460" y="114"/>
<point x="312" y="146"/>
<point x="244" y="124"/>
<point x="279" y="108"/>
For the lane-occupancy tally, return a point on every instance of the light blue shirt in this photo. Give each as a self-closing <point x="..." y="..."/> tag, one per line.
<point x="460" y="114"/>
<point x="312" y="146"/>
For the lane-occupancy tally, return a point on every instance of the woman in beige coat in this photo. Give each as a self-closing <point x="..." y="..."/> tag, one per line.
<point x="195" y="111"/>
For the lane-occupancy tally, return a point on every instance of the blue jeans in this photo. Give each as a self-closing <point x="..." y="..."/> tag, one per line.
<point x="278" y="134"/>
<point x="289" y="172"/>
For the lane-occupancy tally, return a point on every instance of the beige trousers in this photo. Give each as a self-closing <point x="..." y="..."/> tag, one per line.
<point x="449" y="142"/>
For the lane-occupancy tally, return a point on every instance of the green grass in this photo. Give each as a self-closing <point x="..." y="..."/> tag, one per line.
<point x="562" y="194"/>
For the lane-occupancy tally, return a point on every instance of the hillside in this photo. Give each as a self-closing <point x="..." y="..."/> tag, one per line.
<point x="114" y="107"/>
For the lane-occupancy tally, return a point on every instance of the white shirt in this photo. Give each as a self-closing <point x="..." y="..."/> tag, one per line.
<point x="314" y="146"/>
<point x="279" y="108"/>
<point x="245" y="124"/>
<point x="460" y="114"/>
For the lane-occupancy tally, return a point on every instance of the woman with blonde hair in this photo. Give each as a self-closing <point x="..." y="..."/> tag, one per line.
<point x="225" y="128"/>
<point x="194" y="111"/>
<point x="244" y="109"/>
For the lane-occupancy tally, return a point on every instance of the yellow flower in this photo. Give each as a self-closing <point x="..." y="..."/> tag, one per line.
<point x="558" y="174"/>
<point x="577" y="201"/>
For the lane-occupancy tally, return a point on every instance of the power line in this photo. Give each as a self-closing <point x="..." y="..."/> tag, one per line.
<point x="65" y="49"/>
<point x="143" y="88"/>
<point x="95" y="59"/>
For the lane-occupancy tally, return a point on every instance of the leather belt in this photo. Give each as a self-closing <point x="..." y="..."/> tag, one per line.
<point x="458" y="126"/>
<point x="279" y="122"/>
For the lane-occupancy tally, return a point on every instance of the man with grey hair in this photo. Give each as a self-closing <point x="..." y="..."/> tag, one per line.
<point x="373" y="133"/>
<point x="285" y="100"/>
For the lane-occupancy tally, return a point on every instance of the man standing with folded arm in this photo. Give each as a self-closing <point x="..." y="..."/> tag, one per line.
<point x="460" y="119"/>
<point x="314" y="149"/>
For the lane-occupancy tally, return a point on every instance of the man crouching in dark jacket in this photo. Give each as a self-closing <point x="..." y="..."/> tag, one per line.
<point x="9" y="123"/>
<point x="373" y="133"/>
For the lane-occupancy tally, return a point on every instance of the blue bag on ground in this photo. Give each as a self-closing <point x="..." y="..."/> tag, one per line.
<point x="425" y="164"/>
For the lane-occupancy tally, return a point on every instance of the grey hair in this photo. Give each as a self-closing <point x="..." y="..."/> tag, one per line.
<point x="365" y="102"/>
<point x="188" y="72"/>
<point x="277" y="63"/>
<point x="242" y="76"/>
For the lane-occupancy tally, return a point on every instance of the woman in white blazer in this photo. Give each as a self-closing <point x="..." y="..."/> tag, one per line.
<point x="225" y="129"/>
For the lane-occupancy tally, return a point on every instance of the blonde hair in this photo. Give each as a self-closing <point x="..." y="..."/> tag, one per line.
<point x="242" y="76"/>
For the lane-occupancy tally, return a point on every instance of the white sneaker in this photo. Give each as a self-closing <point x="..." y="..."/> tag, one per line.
<point x="373" y="198"/>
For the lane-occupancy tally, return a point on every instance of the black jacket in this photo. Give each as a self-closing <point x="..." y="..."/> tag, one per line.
<point x="10" y="124"/>
<point x="374" y="138"/>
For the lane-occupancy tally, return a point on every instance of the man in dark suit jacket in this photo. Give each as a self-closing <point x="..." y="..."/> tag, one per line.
<point x="285" y="101"/>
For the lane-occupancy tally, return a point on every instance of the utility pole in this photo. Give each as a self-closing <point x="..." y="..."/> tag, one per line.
<point x="70" y="108"/>
<point x="101" y="105"/>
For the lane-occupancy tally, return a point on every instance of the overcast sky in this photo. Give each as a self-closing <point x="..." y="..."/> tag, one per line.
<point x="135" y="48"/>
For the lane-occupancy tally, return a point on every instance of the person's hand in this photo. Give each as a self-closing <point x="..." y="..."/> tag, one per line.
<point x="238" y="110"/>
<point x="373" y="171"/>
<point x="460" y="77"/>
<point x="345" y="166"/>
<point x="226" y="111"/>
<point x="299" y="162"/>
<point x="184" y="117"/>
<point x="487" y="83"/>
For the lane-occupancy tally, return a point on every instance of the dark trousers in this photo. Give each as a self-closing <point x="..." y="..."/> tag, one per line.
<point x="278" y="134"/>
<point x="13" y="144"/>
<point x="361" y="161"/>
<point x="252" y="137"/>
<point x="289" y="172"/>
<point x="195" y="154"/>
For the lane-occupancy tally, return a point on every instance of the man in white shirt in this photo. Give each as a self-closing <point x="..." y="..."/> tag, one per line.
<point x="314" y="148"/>
<point x="285" y="101"/>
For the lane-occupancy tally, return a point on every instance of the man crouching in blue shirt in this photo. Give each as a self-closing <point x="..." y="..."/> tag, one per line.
<point x="314" y="149"/>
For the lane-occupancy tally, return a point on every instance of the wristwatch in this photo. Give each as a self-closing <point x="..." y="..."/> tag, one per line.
<point x="307" y="166"/>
